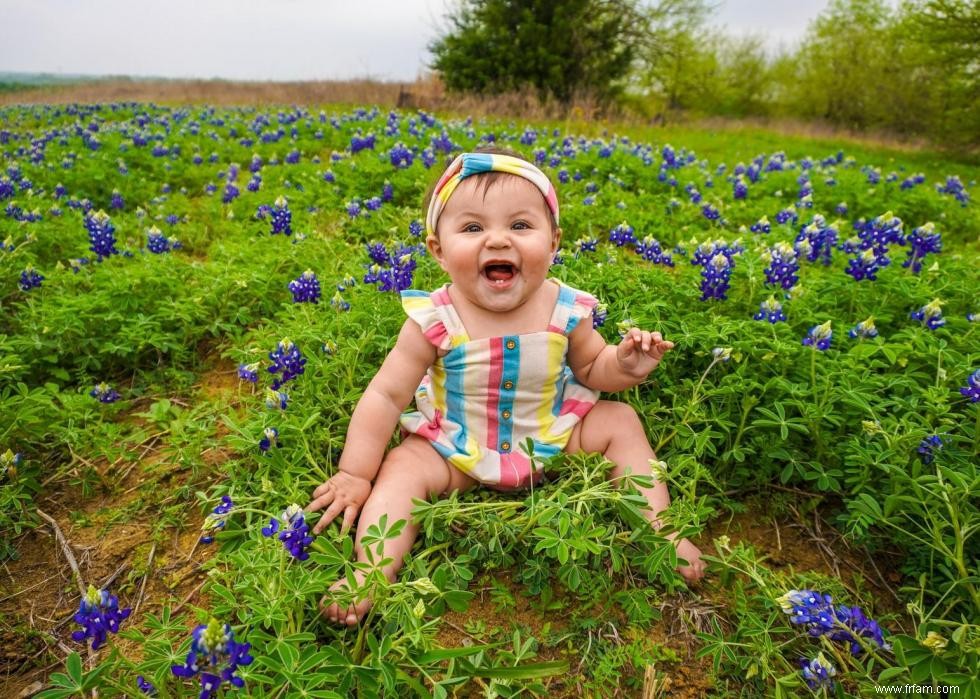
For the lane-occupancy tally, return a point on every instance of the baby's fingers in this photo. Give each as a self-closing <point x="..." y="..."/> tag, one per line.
<point x="350" y="515"/>
<point x="336" y="507"/>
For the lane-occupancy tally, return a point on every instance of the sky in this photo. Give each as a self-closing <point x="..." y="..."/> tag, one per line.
<point x="278" y="39"/>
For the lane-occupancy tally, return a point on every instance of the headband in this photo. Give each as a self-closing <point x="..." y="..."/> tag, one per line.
<point x="467" y="164"/>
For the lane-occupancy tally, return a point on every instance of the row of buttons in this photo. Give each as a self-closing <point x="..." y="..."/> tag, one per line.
<point x="508" y="385"/>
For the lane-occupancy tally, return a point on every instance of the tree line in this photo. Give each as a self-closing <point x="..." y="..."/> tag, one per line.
<point x="911" y="69"/>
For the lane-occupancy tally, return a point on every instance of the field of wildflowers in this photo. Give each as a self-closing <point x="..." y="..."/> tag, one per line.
<point x="823" y="301"/>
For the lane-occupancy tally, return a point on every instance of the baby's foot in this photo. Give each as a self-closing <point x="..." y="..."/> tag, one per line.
<point x="350" y="612"/>
<point x="694" y="570"/>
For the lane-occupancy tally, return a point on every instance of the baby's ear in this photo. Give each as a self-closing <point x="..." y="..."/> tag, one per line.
<point x="556" y="239"/>
<point x="434" y="248"/>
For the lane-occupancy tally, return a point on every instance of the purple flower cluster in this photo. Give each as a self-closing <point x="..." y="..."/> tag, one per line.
<point x="818" y="672"/>
<point x="305" y="288"/>
<point x="401" y="156"/>
<point x="391" y="271"/>
<point x="817" y="614"/>
<point x="101" y="234"/>
<point x="98" y="613"/>
<point x="650" y="250"/>
<point x="269" y="439"/>
<point x="770" y="310"/>
<point x="816" y="240"/>
<point x="954" y="186"/>
<point x="30" y="279"/>
<point x="249" y="372"/>
<point x="716" y="259"/>
<point x="281" y="217"/>
<point x="216" y="519"/>
<point x="216" y="656"/>
<point x="295" y="534"/>
<point x="158" y="243"/>
<point x="928" y="448"/>
<point x="865" y="329"/>
<point x="622" y="235"/>
<point x="286" y="358"/>
<point x="819" y="336"/>
<point x="972" y="388"/>
<point x="104" y="393"/>
<point x="783" y="266"/>
<point x="922" y="241"/>
<point x="761" y="226"/>
<point x="359" y="143"/>
<point x="930" y="315"/>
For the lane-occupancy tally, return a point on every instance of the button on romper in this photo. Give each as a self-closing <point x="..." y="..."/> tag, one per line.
<point x="482" y="398"/>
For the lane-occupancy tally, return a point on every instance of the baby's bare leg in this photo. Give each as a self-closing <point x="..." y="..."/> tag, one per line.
<point x="411" y="470"/>
<point x="614" y="430"/>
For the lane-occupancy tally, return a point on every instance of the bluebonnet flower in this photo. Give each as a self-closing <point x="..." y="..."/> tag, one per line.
<point x="928" y="447"/>
<point x="276" y="399"/>
<point x="9" y="461"/>
<point x="761" y="226"/>
<point x="650" y="250"/>
<point x="865" y="329"/>
<point x="305" y="288"/>
<point x="338" y="302"/>
<point x="391" y="271"/>
<point x="354" y="208"/>
<point x="693" y="193"/>
<point x="292" y="157"/>
<point x="281" y="217"/>
<point x="7" y="189"/>
<point x="955" y="187"/>
<point x="216" y="656"/>
<point x="415" y="228"/>
<point x="286" y="358"/>
<point x="922" y="241"/>
<point x="819" y="336"/>
<point x="770" y="310"/>
<point x="104" y="394"/>
<point x="816" y="240"/>
<point x="116" y="201"/>
<point x="816" y="613"/>
<point x="230" y="194"/>
<point x="585" y="245"/>
<point x="740" y="189"/>
<point x="248" y="372"/>
<point x="387" y="192"/>
<point x="295" y="535"/>
<point x="328" y="176"/>
<point x="98" y="613"/>
<point x="786" y="215"/>
<point x="588" y="201"/>
<point x="401" y="156"/>
<point x="145" y="687"/>
<point x="716" y="277"/>
<point x="101" y="234"/>
<point x="30" y="279"/>
<point x="866" y="265"/>
<point x="931" y="315"/>
<point x="156" y="241"/>
<point x="269" y="439"/>
<point x="216" y="519"/>
<point x="721" y="354"/>
<point x="710" y="212"/>
<point x="373" y="204"/>
<point x="912" y="180"/>
<point x="599" y="314"/>
<point x="428" y="158"/>
<point x="359" y="143"/>
<point x="972" y="388"/>
<point x="622" y="234"/>
<point x="783" y="266"/>
<point x="818" y="672"/>
<point x="254" y="184"/>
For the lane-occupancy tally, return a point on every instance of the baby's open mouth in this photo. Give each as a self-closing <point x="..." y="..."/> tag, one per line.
<point x="499" y="271"/>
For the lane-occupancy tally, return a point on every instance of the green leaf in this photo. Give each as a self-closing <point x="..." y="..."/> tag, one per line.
<point x="521" y="672"/>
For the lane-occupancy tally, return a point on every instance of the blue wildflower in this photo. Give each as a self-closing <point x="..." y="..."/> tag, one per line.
<point x="866" y="265"/>
<point x="599" y="314"/>
<point x="248" y="372"/>
<point x="922" y="241"/>
<point x="286" y="358"/>
<point x="216" y="519"/>
<point x="650" y="250"/>
<point x="101" y="234"/>
<point x="928" y="447"/>
<point x="281" y="217"/>
<point x="230" y="194"/>
<point x="9" y="461"/>
<point x="104" y="394"/>
<point x="783" y="266"/>
<point x="865" y="329"/>
<point x="305" y="288"/>
<point x="216" y="656"/>
<point x="30" y="279"/>
<point x="771" y="310"/>
<point x="295" y="531"/>
<point x="818" y="672"/>
<point x="270" y="438"/>
<point x="931" y="315"/>
<point x="815" y="612"/>
<point x="276" y="399"/>
<point x="415" y="228"/>
<point x="819" y="336"/>
<point x="145" y="687"/>
<point x="761" y="226"/>
<point x="338" y="302"/>
<point x="786" y="215"/>
<point x="622" y="234"/>
<point x="354" y="208"/>
<point x="972" y="388"/>
<point x="740" y="190"/>
<point x="716" y="277"/>
<point x="156" y="241"/>
<point x="710" y="212"/>
<point x="99" y="614"/>
<point x="816" y="240"/>
<point x="401" y="156"/>
<point x="116" y="201"/>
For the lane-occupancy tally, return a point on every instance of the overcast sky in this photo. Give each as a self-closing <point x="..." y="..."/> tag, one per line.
<point x="276" y="39"/>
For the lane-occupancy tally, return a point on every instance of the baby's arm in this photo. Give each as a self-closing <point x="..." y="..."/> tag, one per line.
<point x="371" y="425"/>
<point x="613" y="368"/>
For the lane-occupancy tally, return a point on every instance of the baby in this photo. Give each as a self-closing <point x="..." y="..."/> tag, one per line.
<point x="500" y="354"/>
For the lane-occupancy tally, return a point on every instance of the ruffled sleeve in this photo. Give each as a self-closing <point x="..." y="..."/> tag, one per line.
<point x="573" y="306"/>
<point x="420" y="306"/>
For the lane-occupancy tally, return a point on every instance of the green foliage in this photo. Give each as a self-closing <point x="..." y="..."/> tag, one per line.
<point x="562" y="50"/>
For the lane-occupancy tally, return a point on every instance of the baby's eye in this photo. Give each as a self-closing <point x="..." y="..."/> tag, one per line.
<point x="520" y="225"/>
<point x="472" y="228"/>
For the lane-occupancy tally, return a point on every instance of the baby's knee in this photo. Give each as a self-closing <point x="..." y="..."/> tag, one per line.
<point x="407" y="467"/>
<point x="617" y="415"/>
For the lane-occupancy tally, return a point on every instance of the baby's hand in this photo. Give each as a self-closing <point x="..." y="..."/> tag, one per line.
<point x="640" y="351"/>
<point x="343" y="493"/>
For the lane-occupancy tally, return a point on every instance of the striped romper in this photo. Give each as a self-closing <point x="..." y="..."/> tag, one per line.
<point x="482" y="398"/>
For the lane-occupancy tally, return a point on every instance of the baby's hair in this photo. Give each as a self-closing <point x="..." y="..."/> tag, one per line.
<point x="486" y="179"/>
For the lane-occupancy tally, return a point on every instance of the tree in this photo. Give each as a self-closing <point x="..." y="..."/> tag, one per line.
<point x="560" y="48"/>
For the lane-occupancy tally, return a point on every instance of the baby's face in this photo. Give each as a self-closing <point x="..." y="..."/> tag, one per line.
<point x="496" y="248"/>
